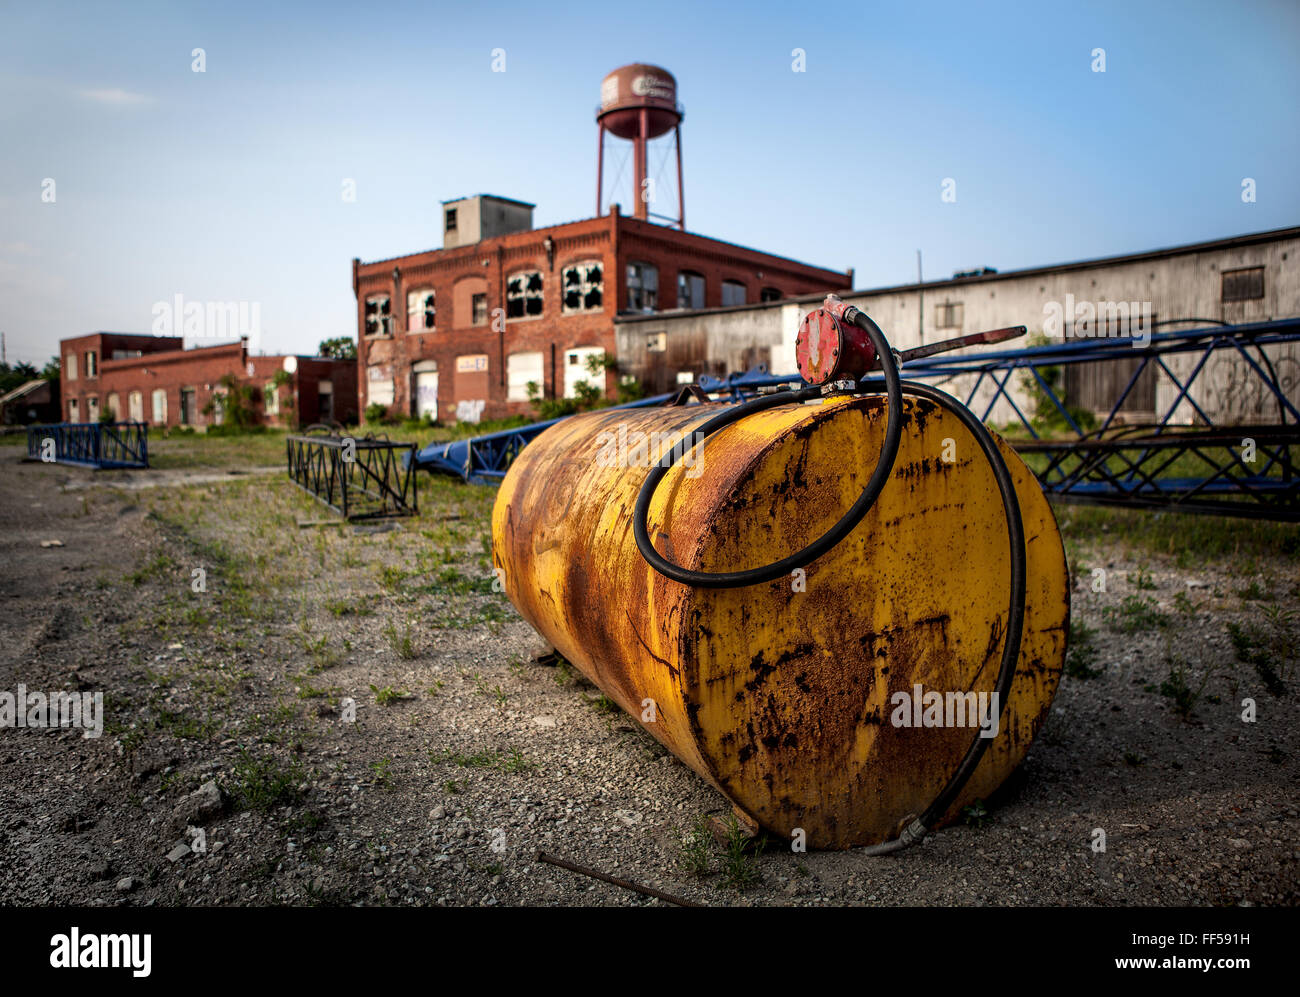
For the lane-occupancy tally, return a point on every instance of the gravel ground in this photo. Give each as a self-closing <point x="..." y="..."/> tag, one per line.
<point x="352" y="717"/>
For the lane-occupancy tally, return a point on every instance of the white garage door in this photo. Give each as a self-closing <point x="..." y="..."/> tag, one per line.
<point x="426" y="389"/>
<point x="575" y="369"/>
<point x="521" y="369"/>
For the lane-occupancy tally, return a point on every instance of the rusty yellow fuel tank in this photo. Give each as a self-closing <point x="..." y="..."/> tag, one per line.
<point x="806" y="701"/>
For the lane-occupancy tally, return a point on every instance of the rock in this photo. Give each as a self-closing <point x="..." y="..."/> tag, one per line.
<point x="179" y="852"/>
<point x="126" y="884"/>
<point x="200" y="806"/>
<point x="51" y="543"/>
<point x="544" y="721"/>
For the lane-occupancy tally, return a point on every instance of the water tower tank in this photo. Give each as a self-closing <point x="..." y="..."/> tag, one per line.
<point x="629" y="90"/>
<point x="639" y="103"/>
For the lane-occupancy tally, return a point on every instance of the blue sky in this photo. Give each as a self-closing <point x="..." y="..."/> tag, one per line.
<point x="226" y="185"/>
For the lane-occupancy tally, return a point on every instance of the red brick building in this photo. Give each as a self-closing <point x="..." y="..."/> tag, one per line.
<point x="152" y="379"/>
<point x="462" y="332"/>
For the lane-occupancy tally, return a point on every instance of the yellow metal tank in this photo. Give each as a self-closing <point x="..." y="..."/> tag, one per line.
<point x="807" y="701"/>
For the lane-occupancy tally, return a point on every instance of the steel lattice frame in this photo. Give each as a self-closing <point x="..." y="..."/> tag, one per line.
<point x="1114" y="465"/>
<point x="364" y="478"/>
<point x="101" y="445"/>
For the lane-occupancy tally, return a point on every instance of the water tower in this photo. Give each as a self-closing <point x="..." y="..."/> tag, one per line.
<point x="639" y="103"/>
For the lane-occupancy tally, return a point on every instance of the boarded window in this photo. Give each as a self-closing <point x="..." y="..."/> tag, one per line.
<point x="379" y="379"/>
<point x="478" y="309"/>
<point x="690" y="289"/>
<point x="160" y="406"/>
<point x="70" y="368"/>
<point x="948" y="315"/>
<point x="92" y="408"/>
<point x="584" y="287"/>
<point x="656" y="342"/>
<point x="524" y="295"/>
<point x="91" y="369"/>
<point x="271" y="394"/>
<point x="642" y="287"/>
<point x="114" y="408"/>
<point x="1243" y="285"/>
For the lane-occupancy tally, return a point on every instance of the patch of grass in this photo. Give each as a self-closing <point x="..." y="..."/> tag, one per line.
<point x="387" y="696"/>
<point x="1142" y="580"/>
<point x="1136" y="612"/>
<point x="401" y="643"/>
<point x="1191" y="540"/>
<point x="1082" y="653"/>
<point x="1133" y="758"/>
<point x="976" y="815"/>
<point x="693" y="852"/>
<point x="1179" y="691"/>
<point x="1254" y="592"/>
<point x="382" y="770"/>
<point x="739" y="862"/>
<point x="1260" y="649"/>
<point x="264" y="783"/>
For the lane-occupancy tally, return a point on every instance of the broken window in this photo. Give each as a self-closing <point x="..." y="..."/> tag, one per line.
<point x="1243" y="285"/>
<point x="769" y="294"/>
<point x="271" y="395"/>
<point x="733" y="293"/>
<point x="379" y="320"/>
<point x="690" y="289"/>
<point x="451" y="219"/>
<point x="584" y="287"/>
<point x="642" y="287"/>
<point x="478" y="309"/>
<point x="420" y="311"/>
<point x="90" y="363"/>
<point x="524" y="295"/>
<point x="948" y="315"/>
<point x="656" y="342"/>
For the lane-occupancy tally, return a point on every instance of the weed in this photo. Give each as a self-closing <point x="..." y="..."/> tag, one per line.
<point x="263" y="784"/>
<point x="387" y="696"/>
<point x="976" y="815"/>
<point x="693" y="854"/>
<point x="739" y="867"/>
<point x="1136" y="612"/>
<point x="1082" y="653"/>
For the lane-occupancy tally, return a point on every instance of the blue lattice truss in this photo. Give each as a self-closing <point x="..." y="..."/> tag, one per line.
<point x="101" y="445"/>
<point x="1239" y="470"/>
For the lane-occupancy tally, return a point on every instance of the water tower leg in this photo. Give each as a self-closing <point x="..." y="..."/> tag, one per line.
<point x="600" y="165"/>
<point x="638" y="190"/>
<point x="681" y="191"/>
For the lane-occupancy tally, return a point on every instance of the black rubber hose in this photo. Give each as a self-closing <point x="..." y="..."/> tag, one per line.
<point x="829" y="539"/>
<point x="918" y="828"/>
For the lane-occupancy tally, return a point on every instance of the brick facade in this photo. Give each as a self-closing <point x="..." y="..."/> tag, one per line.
<point x="152" y="379"/>
<point x="398" y="362"/>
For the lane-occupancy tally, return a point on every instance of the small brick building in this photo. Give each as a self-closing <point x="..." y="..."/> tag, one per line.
<point x="461" y="333"/>
<point x="153" y="379"/>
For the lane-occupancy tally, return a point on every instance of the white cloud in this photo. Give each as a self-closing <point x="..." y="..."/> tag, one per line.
<point x="116" y="96"/>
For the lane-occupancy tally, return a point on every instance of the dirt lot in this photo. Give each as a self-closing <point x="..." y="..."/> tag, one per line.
<point x="227" y="711"/>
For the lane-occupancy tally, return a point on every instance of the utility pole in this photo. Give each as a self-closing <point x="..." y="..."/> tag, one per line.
<point x="920" y="302"/>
